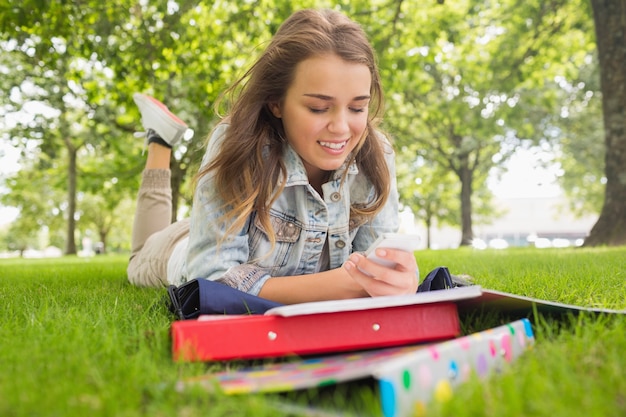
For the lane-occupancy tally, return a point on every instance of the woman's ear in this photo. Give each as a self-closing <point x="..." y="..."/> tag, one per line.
<point x="275" y="109"/>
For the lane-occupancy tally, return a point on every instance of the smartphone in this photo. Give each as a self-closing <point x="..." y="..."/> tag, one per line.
<point x="401" y="241"/>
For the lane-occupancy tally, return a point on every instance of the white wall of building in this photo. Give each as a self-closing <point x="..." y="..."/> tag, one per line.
<point x="544" y="221"/>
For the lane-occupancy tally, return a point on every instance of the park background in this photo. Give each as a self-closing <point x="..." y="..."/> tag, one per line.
<point x="472" y="88"/>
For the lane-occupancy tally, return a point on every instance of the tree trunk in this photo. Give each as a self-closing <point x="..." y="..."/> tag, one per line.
<point x="103" y="240"/>
<point x="466" y="176"/>
<point x="70" y="242"/>
<point x="610" y="27"/>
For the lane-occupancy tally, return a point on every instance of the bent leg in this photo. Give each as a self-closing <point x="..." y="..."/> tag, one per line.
<point x="149" y="267"/>
<point x="152" y="215"/>
<point x="154" y="207"/>
<point x="152" y="243"/>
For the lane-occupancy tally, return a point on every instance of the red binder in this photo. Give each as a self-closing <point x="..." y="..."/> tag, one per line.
<point x="322" y="327"/>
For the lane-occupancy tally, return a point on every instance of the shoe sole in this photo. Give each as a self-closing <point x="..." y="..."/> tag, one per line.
<point x="161" y="109"/>
<point x="162" y="106"/>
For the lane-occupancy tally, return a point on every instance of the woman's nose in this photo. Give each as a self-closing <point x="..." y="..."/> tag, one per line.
<point x="339" y="123"/>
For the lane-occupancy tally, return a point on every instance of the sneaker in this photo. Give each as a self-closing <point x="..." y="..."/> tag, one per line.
<point x="157" y="117"/>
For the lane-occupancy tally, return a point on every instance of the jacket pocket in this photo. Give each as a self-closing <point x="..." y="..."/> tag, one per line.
<point x="286" y="232"/>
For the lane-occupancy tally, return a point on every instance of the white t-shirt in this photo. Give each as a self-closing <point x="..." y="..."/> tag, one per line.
<point x="176" y="263"/>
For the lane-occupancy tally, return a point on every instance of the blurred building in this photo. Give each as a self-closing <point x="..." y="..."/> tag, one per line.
<point x="533" y="221"/>
<point x="542" y="222"/>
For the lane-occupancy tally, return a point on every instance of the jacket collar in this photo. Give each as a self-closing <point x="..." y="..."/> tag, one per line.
<point x="296" y="173"/>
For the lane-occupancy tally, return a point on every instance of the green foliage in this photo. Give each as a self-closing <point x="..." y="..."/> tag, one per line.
<point x="475" y="85"/>
<point x="466" y="82"/>
<point x="430" y="192"/>
<point x="582" y="142"/>
<point x="40" y="200"/>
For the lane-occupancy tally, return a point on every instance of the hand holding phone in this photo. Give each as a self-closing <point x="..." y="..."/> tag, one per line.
<point x="400" y="241"/>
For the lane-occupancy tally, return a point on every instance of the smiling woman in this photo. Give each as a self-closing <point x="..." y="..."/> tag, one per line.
<point x="297" y="181"/>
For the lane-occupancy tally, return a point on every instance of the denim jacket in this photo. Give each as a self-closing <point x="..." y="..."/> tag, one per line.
<point x="302" y="220"/>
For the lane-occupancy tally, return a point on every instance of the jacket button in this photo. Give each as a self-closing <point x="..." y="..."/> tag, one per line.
<point x="335" y="197"/>
<point x="340" y="244"/>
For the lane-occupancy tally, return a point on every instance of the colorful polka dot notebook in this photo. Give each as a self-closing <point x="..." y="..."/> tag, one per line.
<point x="408" y="376"/>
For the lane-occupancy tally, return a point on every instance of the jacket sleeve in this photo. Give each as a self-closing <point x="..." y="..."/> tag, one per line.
<point x="210" y="256"/>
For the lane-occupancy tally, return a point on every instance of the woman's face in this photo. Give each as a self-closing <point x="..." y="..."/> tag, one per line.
<point x="324" y="112"/>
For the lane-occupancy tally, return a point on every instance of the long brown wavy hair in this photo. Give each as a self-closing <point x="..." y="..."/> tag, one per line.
<point x="248" y="170"/>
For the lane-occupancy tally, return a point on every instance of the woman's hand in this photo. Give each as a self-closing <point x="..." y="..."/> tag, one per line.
<point x="379" y="280"/>
<point x="368" y="279"/>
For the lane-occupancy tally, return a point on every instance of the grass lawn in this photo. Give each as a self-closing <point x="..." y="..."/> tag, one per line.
<point x="77" y="340"/>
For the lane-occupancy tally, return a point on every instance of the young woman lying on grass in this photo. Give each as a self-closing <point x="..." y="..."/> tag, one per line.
<point x="296" y="181"/>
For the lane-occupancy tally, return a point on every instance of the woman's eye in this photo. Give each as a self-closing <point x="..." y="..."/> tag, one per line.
<point x="317" y="110"/>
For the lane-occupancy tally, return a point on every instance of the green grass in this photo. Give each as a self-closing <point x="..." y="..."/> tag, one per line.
<point x="77" y="340"/>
